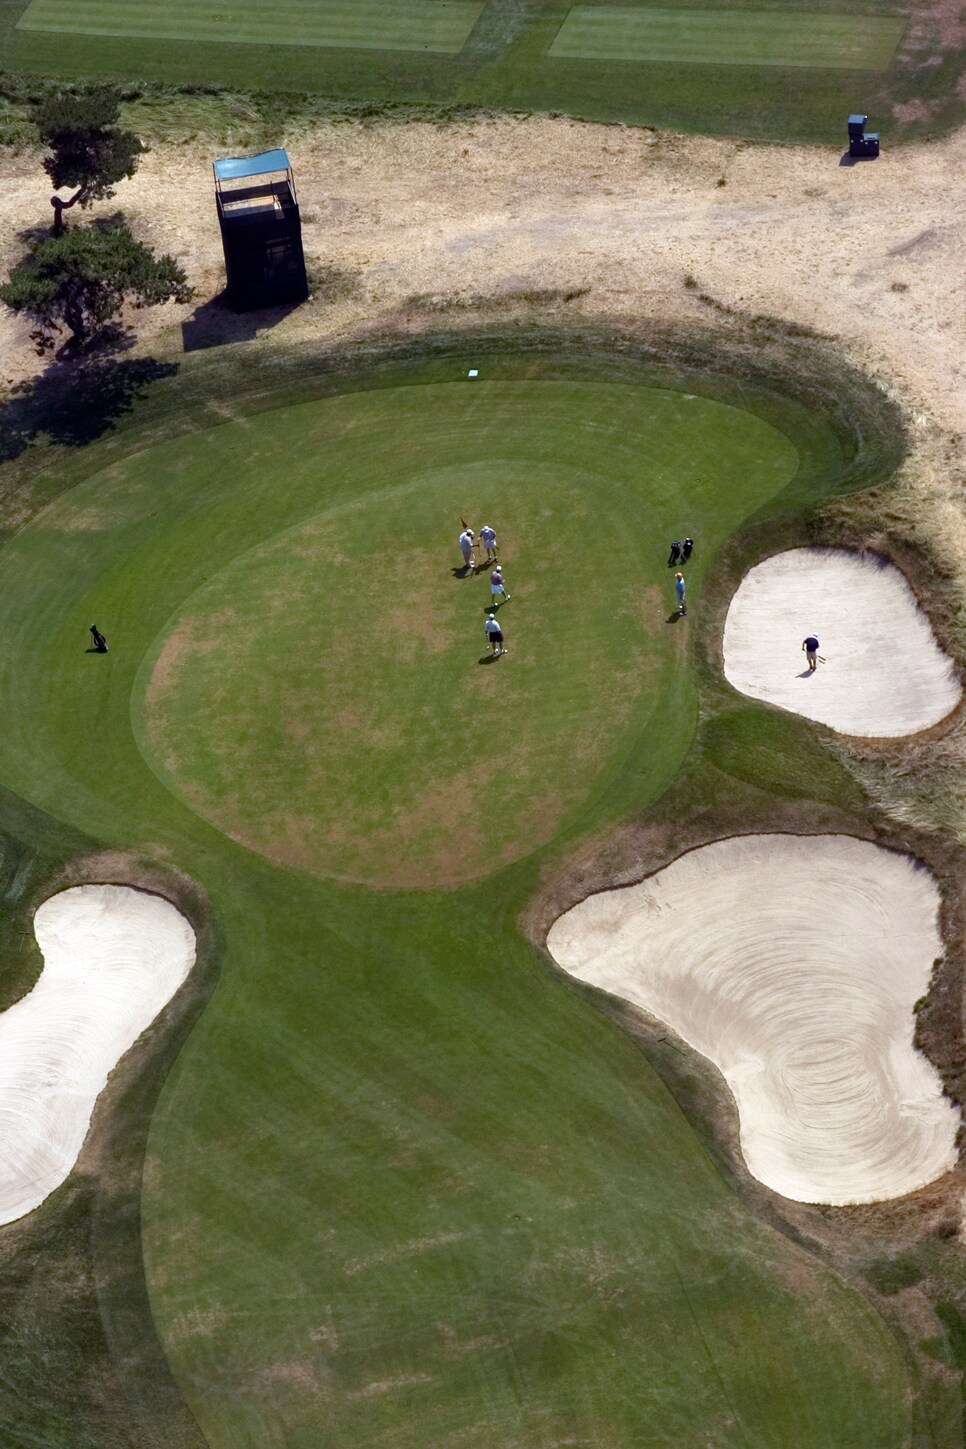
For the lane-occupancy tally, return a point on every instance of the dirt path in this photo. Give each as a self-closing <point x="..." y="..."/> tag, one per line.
<point x="869" y="254"/>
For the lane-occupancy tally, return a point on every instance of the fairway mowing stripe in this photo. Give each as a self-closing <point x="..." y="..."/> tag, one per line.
<point x="728" y="37"/>
<point x="436" y="25"/>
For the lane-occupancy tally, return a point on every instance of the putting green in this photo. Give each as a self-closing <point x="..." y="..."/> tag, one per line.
<point x="351" y="724"/>
<point x="403" y="1186"/>
<point x="728" y="37"/>
<point x="432" y="25"/>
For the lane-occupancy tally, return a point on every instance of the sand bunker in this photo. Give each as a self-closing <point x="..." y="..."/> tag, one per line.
<point x="113" y="957"/>
<point x="793" y="964"/>
<point x="884" y="674"/>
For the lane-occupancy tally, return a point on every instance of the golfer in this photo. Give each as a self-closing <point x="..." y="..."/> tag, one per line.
<point x="679" y="590"/>
<point x="488" y="540"/>
<point x="497" y="586"/>
<point x="494" y="634"/>
<point x="675" y="555"/>
<point x="466" y="548"/>
<point x="687" y="548"/>
<point x="100" y="643"/>
<point x="811" y="647"/>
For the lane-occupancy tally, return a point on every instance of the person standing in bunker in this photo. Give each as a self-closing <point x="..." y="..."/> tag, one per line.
<point x="498" y="587"/>
<point x="488" y="540"/>
<point x="466" y="548"/>
<point x="100" y="643"/>
<point x="679" y="591"/>
<point x="811" y="648"/>
<point x="494" y="633"/>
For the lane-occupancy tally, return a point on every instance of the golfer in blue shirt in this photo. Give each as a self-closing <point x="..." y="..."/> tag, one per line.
<point x="679" y="590"/>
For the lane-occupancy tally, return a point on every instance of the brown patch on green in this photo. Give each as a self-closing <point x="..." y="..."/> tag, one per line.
<point x="169" y="660"/>
<point x="191" y="635"/>
<point x="299" y="1375"/>
<point x="413" y="1248"/>
<point x="391" y="1386"/>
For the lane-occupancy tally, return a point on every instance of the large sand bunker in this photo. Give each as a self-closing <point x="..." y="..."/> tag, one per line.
<point x="113" y="957"/>
<point x="884" y="674"/>
<point x="793" y="964"/>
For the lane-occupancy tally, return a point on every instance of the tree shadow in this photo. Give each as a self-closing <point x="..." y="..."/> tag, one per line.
<point x="74" y="403"/>
<point x="214" y="324"/>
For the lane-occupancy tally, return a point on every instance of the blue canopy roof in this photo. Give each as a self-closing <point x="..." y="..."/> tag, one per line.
<point x="236" y="167"/>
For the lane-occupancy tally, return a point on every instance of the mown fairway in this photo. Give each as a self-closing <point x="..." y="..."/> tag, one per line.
<point x="776" y="72"/>
<point x="405" y="1187"/>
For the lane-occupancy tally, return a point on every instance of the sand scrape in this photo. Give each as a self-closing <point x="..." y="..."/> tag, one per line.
<point x="883" y="674"/>
<point x="113" y="957"/>
<point x="793" y="963"/>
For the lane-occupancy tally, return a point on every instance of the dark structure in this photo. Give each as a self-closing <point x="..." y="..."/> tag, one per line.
<point x="861" y="144"/>
<point x="261" y="231"/>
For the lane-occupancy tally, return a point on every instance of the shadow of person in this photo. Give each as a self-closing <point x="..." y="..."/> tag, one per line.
<point x="806" y="674"/>
<point x="462" y="571"/>
<point x="489" y="658"/>
<point x="673" y="618"/>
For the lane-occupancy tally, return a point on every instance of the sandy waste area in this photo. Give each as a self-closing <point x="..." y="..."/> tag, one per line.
<point x="793" y="963"/>
<point x="883" y="672"/>
<point x="113" y="957"/>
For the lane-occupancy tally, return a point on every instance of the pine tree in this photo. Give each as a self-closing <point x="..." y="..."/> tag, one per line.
<point x="82" y="279"/>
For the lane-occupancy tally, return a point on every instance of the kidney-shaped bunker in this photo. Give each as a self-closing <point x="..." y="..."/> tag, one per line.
<point x="113" y="957"/>
<point x="883" y="672"/>
<point x="793" y="963"/>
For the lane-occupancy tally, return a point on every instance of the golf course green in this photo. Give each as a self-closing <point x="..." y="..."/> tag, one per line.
<point x="404" y="1185"/>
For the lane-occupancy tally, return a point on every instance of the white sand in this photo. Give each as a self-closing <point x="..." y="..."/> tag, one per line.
<point x="884" y="674"/>
<point x="793" y="964"/>
<point x="113" y="957"/>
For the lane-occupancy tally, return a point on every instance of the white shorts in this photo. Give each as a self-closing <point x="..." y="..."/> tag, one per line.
<point x="497" y="589"/>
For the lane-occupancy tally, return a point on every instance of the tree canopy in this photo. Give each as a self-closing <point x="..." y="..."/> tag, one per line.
<point x="88" y="150"/>
<point x="82" y="278"/>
